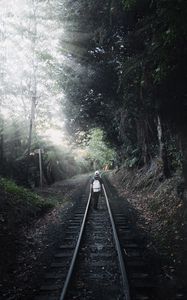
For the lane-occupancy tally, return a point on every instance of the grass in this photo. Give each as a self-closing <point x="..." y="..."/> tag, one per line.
<point x="20" y="205"/>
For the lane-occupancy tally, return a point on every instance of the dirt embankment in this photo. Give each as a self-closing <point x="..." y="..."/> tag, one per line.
<point x="160" y="211"/>
<point x="28" y="246"/>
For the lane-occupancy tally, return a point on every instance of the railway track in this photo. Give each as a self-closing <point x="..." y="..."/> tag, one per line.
<point x="141" y="271"/>
<point x="89" y="263"/>
<point x="101" y="257"/>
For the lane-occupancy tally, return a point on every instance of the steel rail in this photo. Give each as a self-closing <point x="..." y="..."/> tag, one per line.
<point x="70" y="271"/>
<point x="118" y="248"/>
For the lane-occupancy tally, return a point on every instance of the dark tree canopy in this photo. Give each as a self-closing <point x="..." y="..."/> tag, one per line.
<point x="134" y="73"/>
<point x="118" y="65"/>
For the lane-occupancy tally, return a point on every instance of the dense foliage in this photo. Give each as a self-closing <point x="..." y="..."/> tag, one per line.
<point x="114" y="65"/>
<point x="88" y="84"/>
<point x="133" y="81"/>
<point x="31" y="115"/>
<point x="98" y="152"/>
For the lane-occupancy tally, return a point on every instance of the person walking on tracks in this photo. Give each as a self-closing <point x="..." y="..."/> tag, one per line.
<point x="96" y="188"/>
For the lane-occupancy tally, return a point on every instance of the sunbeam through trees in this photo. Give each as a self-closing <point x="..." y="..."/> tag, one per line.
<point x="85" y="86"/>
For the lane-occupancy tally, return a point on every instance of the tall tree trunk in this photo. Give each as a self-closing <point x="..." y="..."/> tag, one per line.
<point x="184" y="151"/>
<point x="33" y="91"/>
<point x="1" y="145"/>
<point x="142" y="137"/>
<point x="159" y="132"/>
<point x="184" y="169"/>
<point x="32" y="117"/>
<point x="162" y="149"/>
<point x="3" y="95"/>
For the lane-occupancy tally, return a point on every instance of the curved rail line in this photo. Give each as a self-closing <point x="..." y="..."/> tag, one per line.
<point x="122" y="268"/>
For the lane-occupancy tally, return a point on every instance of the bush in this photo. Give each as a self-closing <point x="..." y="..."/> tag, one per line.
<point x="20" y="205"/>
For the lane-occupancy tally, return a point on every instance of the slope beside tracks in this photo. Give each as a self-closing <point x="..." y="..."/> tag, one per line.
<point x="32" y="247"/>
<point x="140" y="265"/>
<point x="144" y="262"/>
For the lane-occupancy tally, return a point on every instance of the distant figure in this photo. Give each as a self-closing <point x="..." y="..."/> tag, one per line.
<point x="96" y="188"/>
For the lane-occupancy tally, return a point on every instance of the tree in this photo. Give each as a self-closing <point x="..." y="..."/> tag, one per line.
<point x="29" y="38"/>
<point x="98" y="151"/>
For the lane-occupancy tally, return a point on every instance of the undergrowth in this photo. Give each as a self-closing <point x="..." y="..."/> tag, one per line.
<point x="159" y="204"/>
<point x="20" y="205"/>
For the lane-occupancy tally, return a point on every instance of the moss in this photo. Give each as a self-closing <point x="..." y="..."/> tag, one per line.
<point x="20" y="205"/>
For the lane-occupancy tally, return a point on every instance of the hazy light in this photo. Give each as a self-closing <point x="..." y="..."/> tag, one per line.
<point x="56" y="47"/>
<point x="56" y="136"/>
<point x="5" y="112"/>
<point x="80" y="153"/>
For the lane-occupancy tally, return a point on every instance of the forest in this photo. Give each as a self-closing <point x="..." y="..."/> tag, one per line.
<point x="120" y="69"/>
<point x="89" y="84"/>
